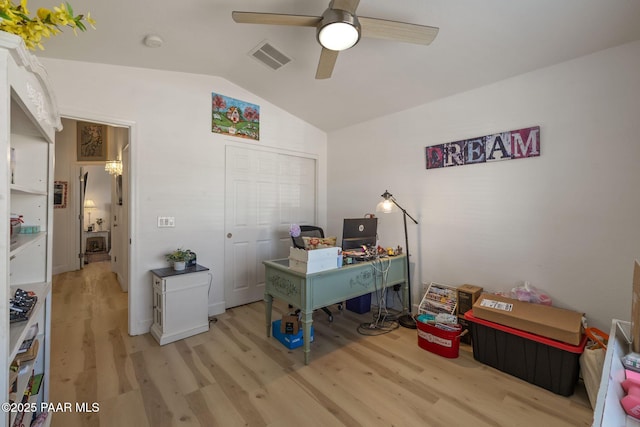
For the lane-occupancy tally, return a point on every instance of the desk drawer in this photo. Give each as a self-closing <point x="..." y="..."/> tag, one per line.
<point x="355" y="280"/>
<point x="179" y="283"/>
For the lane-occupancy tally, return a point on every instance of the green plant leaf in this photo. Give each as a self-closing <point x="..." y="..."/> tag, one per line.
<point x="23" y="16"/>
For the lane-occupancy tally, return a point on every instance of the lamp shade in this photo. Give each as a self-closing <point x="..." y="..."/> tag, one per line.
<point x="89" y="204"/>
<point x="386" y="206"/>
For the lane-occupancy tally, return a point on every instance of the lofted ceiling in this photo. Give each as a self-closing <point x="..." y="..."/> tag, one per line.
<point x="479" y="42"/>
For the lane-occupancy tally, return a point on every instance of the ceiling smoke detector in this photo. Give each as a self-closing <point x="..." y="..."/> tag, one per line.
<point x="153" y="41"/>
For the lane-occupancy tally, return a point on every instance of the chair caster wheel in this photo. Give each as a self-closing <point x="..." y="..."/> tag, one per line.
<point x="340" y="307"/>
<point x="330" y="318"/>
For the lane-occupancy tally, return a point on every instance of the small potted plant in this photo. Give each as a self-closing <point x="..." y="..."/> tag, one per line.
<point x="179" y="258"/>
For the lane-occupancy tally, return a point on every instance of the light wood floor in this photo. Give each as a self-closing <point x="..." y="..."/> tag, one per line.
<point x="234" y="376"/>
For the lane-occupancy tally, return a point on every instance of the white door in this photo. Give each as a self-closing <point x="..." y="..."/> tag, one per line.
<point x="82" y="181"/>
<point x="120" y="235"/>
<point x="265" y="193"/>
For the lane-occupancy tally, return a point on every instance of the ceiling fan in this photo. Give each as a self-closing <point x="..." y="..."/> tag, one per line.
<point x="339" y="28"/>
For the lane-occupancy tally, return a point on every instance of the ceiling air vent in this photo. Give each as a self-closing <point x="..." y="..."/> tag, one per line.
<point x="269" y="56"/>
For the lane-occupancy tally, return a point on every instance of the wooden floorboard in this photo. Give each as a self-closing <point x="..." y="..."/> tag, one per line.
<point x="233" y="375"/>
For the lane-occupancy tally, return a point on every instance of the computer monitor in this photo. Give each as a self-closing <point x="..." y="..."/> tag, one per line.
<point x="357" y="232"/>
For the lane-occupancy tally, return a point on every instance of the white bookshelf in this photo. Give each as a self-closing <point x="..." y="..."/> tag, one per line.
<point x="28" y="122"/>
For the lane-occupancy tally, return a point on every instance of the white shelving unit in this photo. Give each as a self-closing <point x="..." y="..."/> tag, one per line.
<point x="28" y="122"/>
<point x="608" y="410"/>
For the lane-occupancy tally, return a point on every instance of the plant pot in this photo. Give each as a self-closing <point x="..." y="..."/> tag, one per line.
<point x="179" y="265"/>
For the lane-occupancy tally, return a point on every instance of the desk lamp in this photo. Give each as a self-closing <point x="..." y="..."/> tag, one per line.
<point x="388" y="205"/>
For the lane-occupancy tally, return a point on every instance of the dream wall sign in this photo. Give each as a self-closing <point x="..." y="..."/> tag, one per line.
<point x="515" y="144"/>
<point x="234" y="117"/>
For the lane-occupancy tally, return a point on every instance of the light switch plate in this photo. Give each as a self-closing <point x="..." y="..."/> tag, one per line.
<point x="166" y="221"/>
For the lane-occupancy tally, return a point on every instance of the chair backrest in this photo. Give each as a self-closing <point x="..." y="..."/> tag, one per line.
<point x="306" y="231"/>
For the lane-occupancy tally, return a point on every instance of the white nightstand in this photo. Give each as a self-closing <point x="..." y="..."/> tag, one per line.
<point x="180" y="303"/>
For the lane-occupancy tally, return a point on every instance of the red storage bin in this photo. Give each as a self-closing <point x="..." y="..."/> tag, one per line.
<point x="439" y="341"/>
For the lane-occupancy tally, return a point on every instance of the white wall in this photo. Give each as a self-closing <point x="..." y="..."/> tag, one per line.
<point x="65" y="245"/>
<point x="566" y="221"/>
<point x="177" y="166"/>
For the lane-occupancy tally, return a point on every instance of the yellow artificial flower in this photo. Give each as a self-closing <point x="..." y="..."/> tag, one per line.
<point x="15" y="19"/>
<point x="43" y="13"/>
<point x="91" y="21"/>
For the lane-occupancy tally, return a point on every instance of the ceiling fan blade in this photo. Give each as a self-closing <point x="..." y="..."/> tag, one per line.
<point x="348" y="5"/>
<point x="275" y="19"/>
<point x="326" y="64"/>
<point x="399" y="31"/>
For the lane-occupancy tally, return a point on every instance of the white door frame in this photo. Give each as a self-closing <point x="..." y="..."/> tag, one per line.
<point x="133" y="201"/>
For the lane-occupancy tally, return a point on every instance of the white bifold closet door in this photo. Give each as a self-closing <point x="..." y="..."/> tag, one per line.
<point x="265" y="192"/>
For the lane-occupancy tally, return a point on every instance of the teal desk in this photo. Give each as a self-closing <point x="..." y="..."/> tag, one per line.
<point x="312" y="291"/>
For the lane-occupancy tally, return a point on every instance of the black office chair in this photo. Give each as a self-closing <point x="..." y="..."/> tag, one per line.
<point x="298" y="242"/>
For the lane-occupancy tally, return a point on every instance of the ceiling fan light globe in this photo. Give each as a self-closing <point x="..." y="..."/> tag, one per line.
<point x="338" y="30"/>
<point x="338" y="36"/>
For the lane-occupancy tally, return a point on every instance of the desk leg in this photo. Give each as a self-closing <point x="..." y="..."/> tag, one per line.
<point x="307" y="321"/>
<point x="268" y="303"/>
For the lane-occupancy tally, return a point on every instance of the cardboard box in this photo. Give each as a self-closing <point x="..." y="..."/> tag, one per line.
<point x="467" y="295"/>
<point x="313" y="261"/>
<point x="547" y="321"/>
<point x="635" y="308"/>
<point x="466" y="326"/>
<point x="290" y="324"/>
<point x="290" y="341"/>
<point x="314" y="254"/>
<point x="312" y="267"/>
